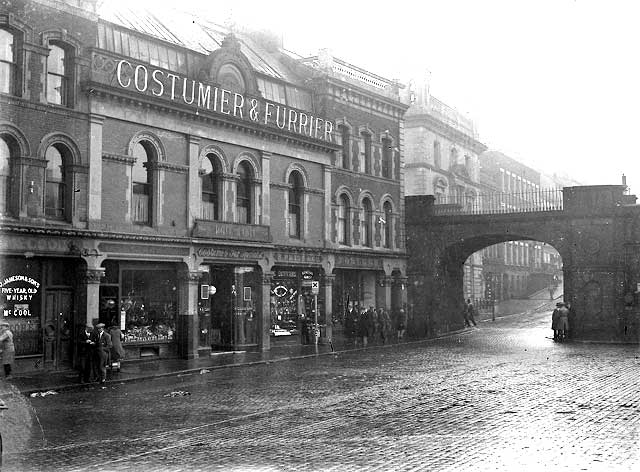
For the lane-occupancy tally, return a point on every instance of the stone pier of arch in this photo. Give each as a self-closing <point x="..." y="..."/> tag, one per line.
<point x="597" y="233"/>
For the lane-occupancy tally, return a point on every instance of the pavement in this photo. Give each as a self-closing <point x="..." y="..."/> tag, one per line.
<point x="282" y="349"/>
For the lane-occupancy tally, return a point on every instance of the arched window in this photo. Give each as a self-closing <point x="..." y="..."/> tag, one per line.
<point x="6" y="152"/>
<point x="142" y="182"/>
<point x="211" y="182"/>
<point x="243" y="193"/>
<point x="7" y="61"/>
<point x="367" y="223"/>
<point x="345" y="136"/>
<point x="387" y="157"/>
<point x="57" y="76"/>
<point x="343" y="220"/>
<point x="366" y="153"/>
<point x="230" y="78"/>
<point x="437" y="158"/>
<point x="388" y="225"/>
<point x="296" y="193"/>
<point x="55" y="186"/>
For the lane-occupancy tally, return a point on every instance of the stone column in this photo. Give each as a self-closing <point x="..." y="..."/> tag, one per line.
<point x="90" y="296"/>
<point x="383" y="292"/>
<point x="94" y="210"/>
<point x="327" y="287"/>
<point x="187" y="326"/>
<point x="328" y="220"/>
<point x="194" y="197"/>
<point x="264" y="317"/>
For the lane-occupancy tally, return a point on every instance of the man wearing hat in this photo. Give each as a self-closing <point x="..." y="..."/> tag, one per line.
<point x="85" y="354"/>
<point x="6" y="348"/>
<point x="102" y="341"/>
<point x="554" y="321"/>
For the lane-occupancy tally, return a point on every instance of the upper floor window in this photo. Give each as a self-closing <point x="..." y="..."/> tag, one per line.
<point x="437" y="158"/>
<point x="211" y="183"/>
<point x="243" y="193"/>
<point x="7" y="61"/>
<point x="141" y="178"/>
<point x="55" y="185"/>
<point x="230" y="78"/>
<point x="387" y="225"/>
<point x="367" y="223"/>
<point x="57" y="76"/>
<point x="296" y="189"/>
<point x="366" y="152"/>
<point x="5" y="175"/>
<point x="453" y="160"/>
<point x="346" y="155"/>
<point x="387" y="157"/>
<point x="343" y="219"/>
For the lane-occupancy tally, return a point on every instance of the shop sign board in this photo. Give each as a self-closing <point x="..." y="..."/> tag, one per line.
<point x="360" y="262"/>
<point x="17" y="292"/>
<point x="140" y="78"/>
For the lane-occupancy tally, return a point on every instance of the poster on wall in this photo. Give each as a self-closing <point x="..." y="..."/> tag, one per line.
<point x="17" y="294"/>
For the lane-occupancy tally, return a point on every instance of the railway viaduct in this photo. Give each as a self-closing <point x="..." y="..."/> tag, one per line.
<point x="596" y="231"/>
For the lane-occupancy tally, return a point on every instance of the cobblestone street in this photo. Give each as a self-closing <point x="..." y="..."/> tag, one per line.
<point x="502" y="396"/>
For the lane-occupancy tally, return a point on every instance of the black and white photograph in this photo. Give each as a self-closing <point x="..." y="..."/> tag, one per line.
<point x="264" y="236"/>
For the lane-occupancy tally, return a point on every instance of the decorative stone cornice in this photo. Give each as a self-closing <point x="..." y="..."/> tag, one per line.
<point x="162" y="165"/>
<point x="122" y="158"/>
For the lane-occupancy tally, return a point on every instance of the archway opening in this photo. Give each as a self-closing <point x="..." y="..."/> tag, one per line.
<point x="512" y="277"/>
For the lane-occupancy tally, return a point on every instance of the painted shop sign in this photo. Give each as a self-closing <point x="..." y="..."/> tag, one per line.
<point x="297" y="257"/>
<point x="17" y="292"/>
<point x="358" y="262"/>
<point x="218" y="253"/>
<point x="161" y="83"/>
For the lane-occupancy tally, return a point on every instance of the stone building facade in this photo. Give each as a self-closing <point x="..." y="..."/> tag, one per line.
<point x="186" y="183"/>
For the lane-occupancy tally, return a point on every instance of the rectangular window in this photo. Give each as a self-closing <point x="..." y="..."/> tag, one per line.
<point x="387" y="153"/>
<point x="141" y="203"/>
<point x="149" y="304"/>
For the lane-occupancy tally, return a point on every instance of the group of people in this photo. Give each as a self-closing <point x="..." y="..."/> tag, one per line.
<point x="96" y="349"/>
<point x="372" y="324"/>
<point x="560" y="321"/>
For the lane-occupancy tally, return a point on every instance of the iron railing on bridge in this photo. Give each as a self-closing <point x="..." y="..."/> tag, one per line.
<point x="501" y="202"/>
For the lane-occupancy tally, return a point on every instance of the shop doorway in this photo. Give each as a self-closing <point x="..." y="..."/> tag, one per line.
<point x="58" y="329"/>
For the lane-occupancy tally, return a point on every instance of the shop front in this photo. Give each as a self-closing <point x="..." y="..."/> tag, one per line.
<point x="141" y="299"/>
<point x="229" y="306"/>
<point x="38" y="300"/>
<point x="294" y="306"/>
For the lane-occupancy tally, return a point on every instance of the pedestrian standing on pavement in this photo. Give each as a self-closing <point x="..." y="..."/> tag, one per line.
<point x="117" y="351"/>
<point x="402" y="323"/>
<point x="563" y="322"/>
<point x="351" y="323"/>
<point x="7" y="347"/>
<point x="364" y="326"/>
<point x="103" y="345"/>
<point x="85" y="354"/>
<point x="470" y="311"/>
<point x="385" y="325"/>
<point x="554" y="321"/>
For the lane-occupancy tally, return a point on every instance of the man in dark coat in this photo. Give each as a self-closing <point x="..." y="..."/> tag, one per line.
<point x="85" y="354"/>
<point x="103" y="345"/>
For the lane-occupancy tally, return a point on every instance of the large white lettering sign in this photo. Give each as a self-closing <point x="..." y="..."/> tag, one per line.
<point x="164" y="84"/>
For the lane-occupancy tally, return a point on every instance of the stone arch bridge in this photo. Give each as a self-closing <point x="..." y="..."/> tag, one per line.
<point x="596" y="230"/>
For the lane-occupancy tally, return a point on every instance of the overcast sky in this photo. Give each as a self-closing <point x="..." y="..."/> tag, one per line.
<point x="552" y="83"/>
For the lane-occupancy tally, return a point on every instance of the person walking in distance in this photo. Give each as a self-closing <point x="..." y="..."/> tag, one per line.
<point x="402" y="323"/>
<point x="103" y="345"/>
<point x="470" y="311"/>
<point x="554" y="321"/>
<point x="7" y="348"/>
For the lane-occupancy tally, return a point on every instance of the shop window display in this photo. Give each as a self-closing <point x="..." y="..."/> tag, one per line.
<point x="148" y="304"/>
